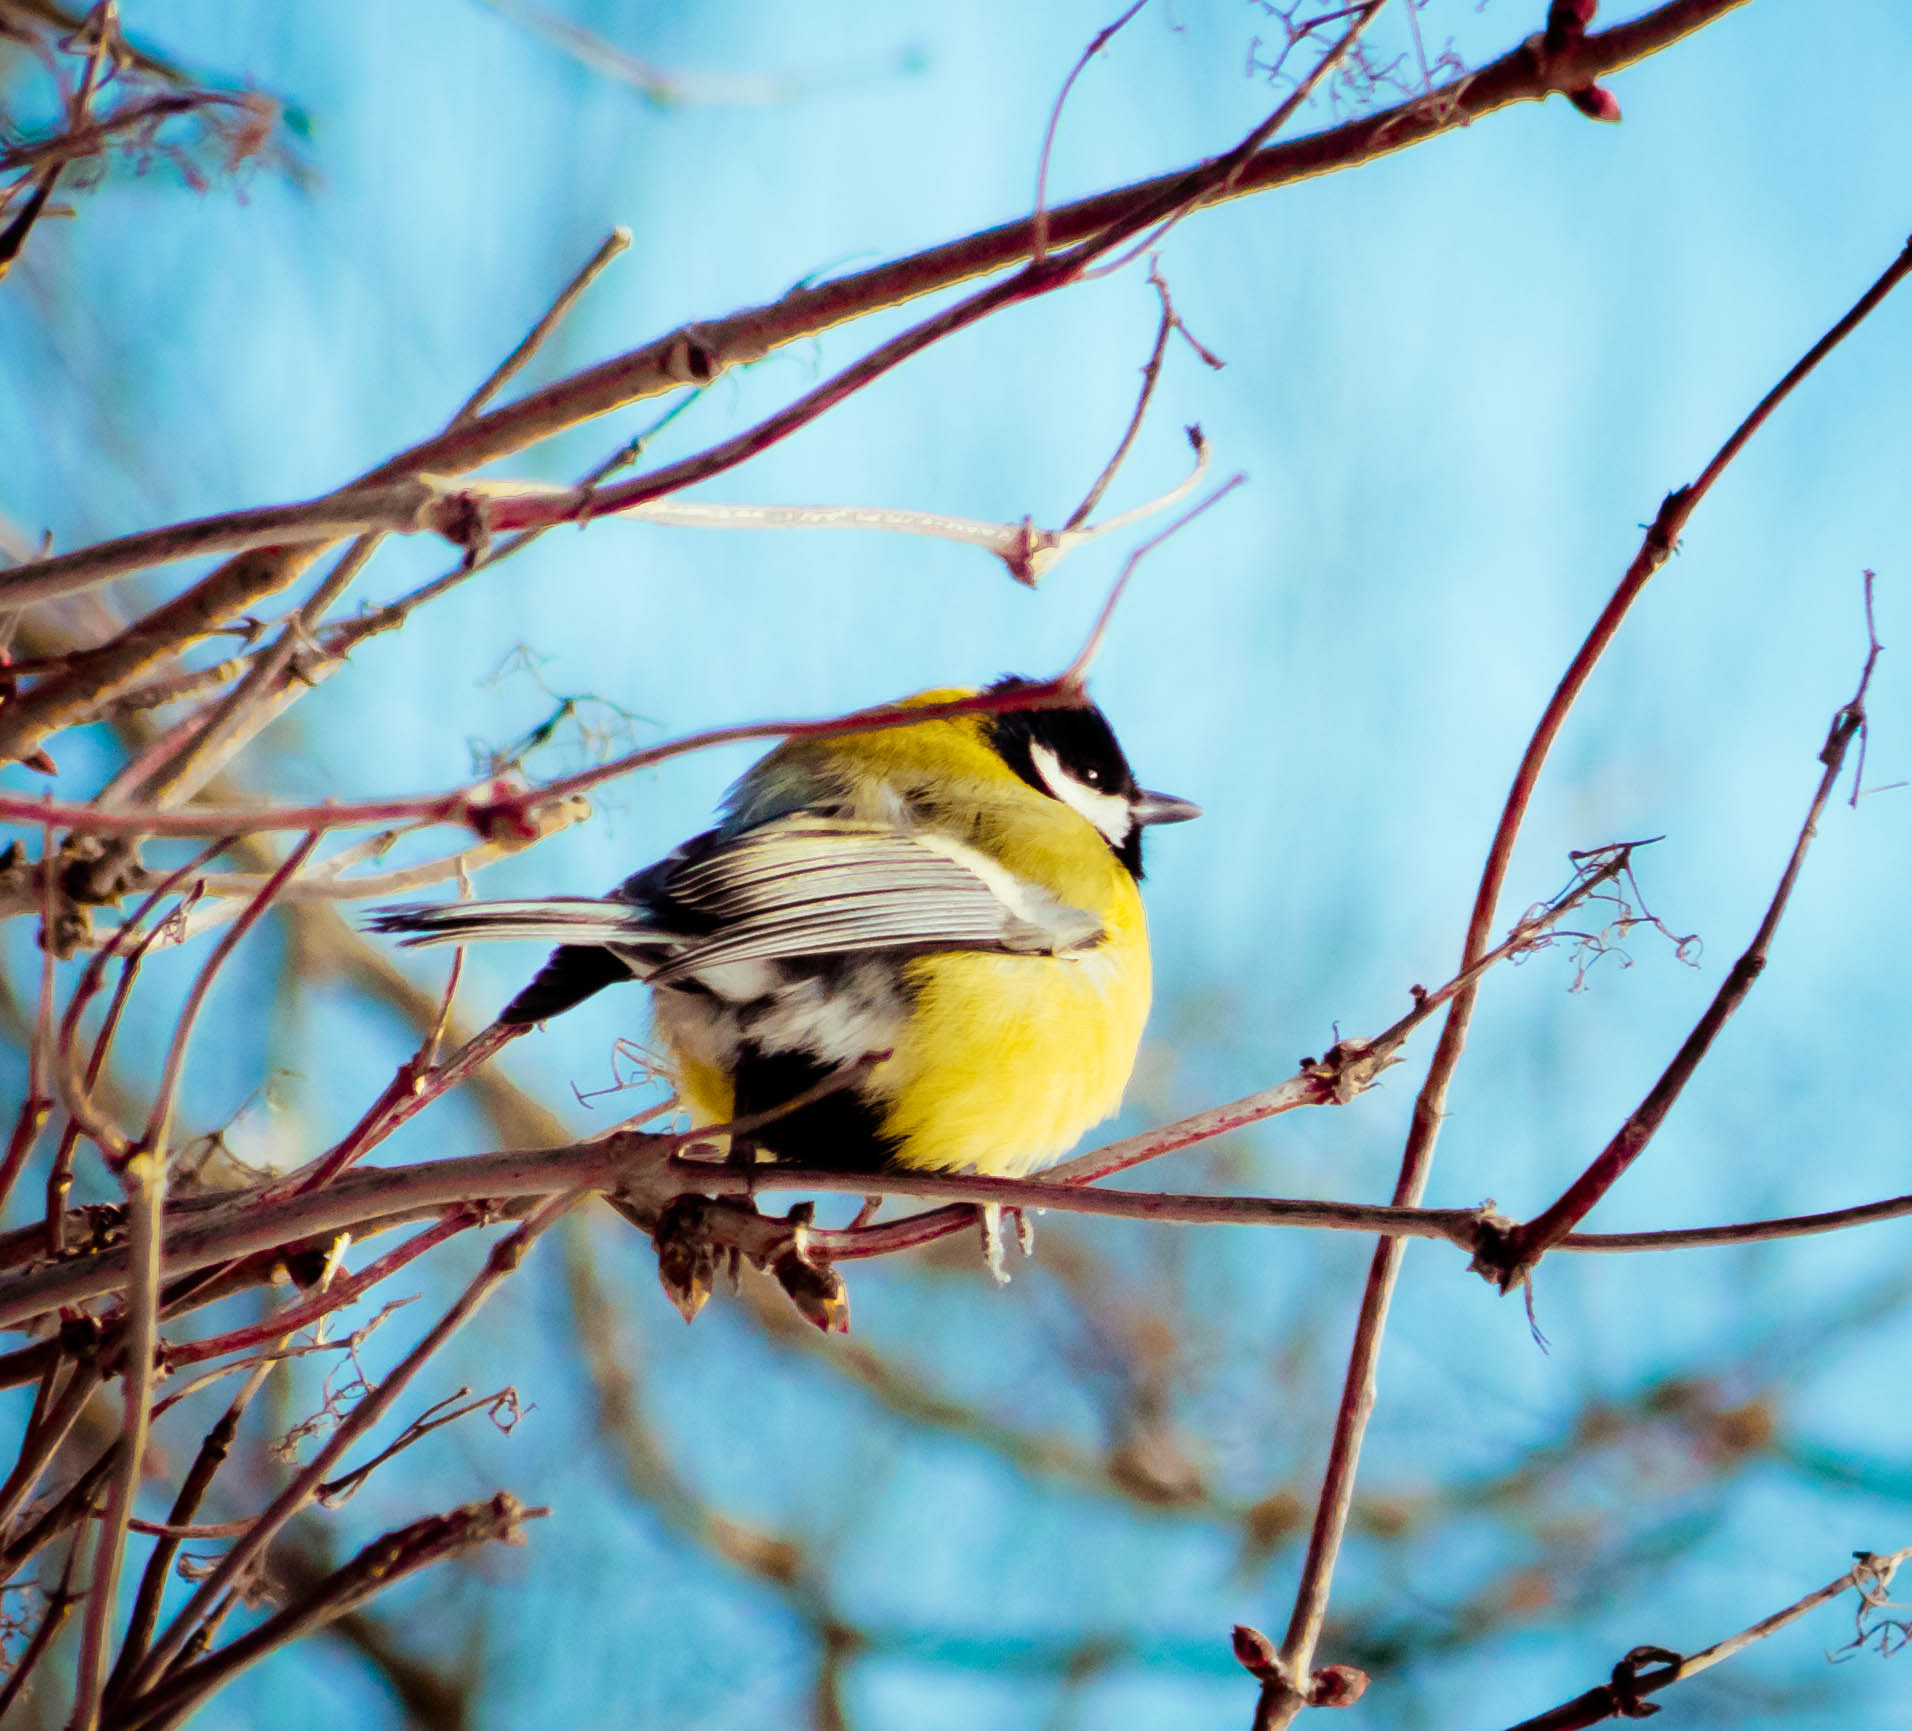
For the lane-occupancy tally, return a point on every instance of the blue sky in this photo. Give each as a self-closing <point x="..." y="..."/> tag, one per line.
<point x="1458" y="382"/>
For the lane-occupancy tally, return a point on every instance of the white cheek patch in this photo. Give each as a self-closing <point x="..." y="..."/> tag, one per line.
<point x="1109" y="812"/>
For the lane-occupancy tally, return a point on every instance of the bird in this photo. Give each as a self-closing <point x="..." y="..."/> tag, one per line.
<point x="943" y="919"/>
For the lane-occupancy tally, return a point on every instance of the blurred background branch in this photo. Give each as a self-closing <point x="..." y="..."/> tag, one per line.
<point x="1451" y="377"/>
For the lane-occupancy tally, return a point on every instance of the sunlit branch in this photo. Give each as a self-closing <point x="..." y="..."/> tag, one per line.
<point x="1282" y="1700"/>
<point x="1647" y="1670"/>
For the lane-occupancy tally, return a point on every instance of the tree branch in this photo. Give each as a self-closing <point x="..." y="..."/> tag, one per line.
<point x="1283" y="1696"/>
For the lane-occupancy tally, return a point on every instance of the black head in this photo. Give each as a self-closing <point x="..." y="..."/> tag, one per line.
<point x="1071" y="754"/>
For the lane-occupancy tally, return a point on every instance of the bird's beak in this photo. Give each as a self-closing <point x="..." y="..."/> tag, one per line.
<point x="1163" y="808"/>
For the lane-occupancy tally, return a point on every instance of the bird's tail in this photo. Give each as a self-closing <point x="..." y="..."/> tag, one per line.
<point x="598" y="943"/>
<point x="550" y="919"/>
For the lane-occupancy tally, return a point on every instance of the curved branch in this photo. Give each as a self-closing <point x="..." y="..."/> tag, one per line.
<point x="695" y="354"/>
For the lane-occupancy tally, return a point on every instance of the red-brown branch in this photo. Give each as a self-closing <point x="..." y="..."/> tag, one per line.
<point x="1281" y="1699"/>
<point x="1513" y="1258"/>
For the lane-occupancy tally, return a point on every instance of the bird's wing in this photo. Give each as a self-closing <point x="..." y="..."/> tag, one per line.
<point x="809" y="886"/>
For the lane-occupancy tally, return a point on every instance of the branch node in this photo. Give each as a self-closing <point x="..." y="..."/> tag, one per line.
<point x="686" y="1253"/>
<point x="1565" y="36"/>
<point x="1628" y="1688"/>
<point x="1350" y="1068"/>
<point x="464" y="519"/>
<point x="1499" y="1257"/>
<point x="1664" y="536"/>
<point x="689" y="357"/>
<point x="815" y="1288"/>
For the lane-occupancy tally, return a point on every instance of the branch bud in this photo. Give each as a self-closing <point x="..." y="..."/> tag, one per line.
<point x="1255" y="1653"/>
<point x="686" y="1259"/>
<point x="1596" y="102"/>
<point x="816" y="1289"/>
<point x="1338" y="1685"/>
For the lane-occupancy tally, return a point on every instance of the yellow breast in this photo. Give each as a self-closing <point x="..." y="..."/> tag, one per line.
<point x="1004" y="1060"/>
<point x="1009" y="1059"/>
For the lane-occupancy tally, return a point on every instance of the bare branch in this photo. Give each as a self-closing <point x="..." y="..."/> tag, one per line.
<point x="696" y="354"/>
<point x="145" y="1179"/>
<point x="1510" y="1261"/>
<point x="1281" y="1699"/>
<point x="391" y="1558"/>
<point x="1623" y="1696"/>
<point x="502" y="1261"/>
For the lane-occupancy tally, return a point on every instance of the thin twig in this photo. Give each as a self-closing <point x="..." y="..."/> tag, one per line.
<point x="207" y="742"/>
<point x="492" y="805"/>
<point x="614" y="243"/>
<point x="501" y="1405"/>
<point x="84" y="1117"/>
<point x="42" y="1442"/>
<point x="53" y="155"/>
<point x="1623" y="1695"/>
<point x="1510" y="1261"/>
<point x="343" y="1290"/>
<point x="1151" y="376"/>
<point x="74" y="1506"/>
<point x="211" y="1455"/>
<point x="159" y="1120"/>
<point x="502" y="1261"/>
<point x="1077" y="671"/>
<point x="145" y="1180"/>
<point x="1283" y="1696"/>
<point x="1039" y="220"/>
<point x="1741" y="1232"/>
<point x="38" y="1104"/>
<point x="58" y="1603"/>
<point x="417" y="1082"/>
<point x="389" y="1559"/>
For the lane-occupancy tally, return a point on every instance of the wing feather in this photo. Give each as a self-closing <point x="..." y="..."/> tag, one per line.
<point x="807" y="886"/>
<point x="800" y="886"/>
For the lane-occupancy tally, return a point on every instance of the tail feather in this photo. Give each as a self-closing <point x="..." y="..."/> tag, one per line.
<point x="554" y="919"/>
<point x="572" y="973"/>
<point x="598" y="943"/>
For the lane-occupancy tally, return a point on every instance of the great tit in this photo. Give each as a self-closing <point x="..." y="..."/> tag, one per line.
<point x="954" y="901"/>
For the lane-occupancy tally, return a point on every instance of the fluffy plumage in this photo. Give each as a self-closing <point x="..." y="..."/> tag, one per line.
<point x="959" y="896"/>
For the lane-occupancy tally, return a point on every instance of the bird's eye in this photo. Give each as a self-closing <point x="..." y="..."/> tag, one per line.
<point x="1093" y="777"/>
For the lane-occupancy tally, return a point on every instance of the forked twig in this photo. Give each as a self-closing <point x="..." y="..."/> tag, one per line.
<point x="1647" y="1670"/>
<point x="391" y="1558"/>
<point x="502" y="1261"/>
<point x="1508" y="1259"/>
<point x="1039" y="221"/>
<point x="1285" y="1693"/>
